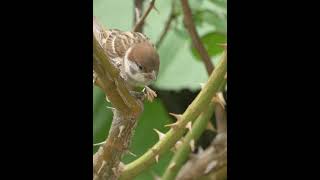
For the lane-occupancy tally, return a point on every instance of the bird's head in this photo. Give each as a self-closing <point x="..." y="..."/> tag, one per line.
<point x="141" y="64"/>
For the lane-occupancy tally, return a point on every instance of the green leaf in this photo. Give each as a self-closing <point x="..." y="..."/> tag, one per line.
<point x="211" y="42"/>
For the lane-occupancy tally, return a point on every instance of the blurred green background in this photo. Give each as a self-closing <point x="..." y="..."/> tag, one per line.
<point x="181" y="70"/>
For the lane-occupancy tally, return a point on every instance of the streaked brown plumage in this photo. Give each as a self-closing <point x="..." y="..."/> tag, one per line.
<point x="118" y="42"/>
<point x="137" y="49"/>
<point x="133" y="53"/>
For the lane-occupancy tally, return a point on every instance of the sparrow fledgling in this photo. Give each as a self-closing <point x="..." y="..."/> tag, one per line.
<point x="135" y="56"/>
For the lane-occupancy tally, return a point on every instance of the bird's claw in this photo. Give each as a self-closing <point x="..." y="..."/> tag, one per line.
<point x="138" y="95"/>
<point x="146" y="93"/>
<point x="149" y="93"/>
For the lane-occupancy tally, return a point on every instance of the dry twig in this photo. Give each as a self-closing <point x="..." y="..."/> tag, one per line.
<point x="195" y="37"/>
<point x="140" y="23"/>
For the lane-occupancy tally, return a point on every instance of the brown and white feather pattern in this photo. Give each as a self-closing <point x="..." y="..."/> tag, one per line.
<point x="118" y="42"/>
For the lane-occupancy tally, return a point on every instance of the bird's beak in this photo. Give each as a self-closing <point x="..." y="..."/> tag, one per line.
<point x="151" y="76"/>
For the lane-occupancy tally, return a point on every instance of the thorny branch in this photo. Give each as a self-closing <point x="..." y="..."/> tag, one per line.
<point x="106" y="161"/>
<point x="213" y="161"/>
<point x="177" y="129"/>
<point x="140" y="23"/>
<point x="203" y="163"/>
<point x="195" y="37"/>
<point x="188" y="142"/>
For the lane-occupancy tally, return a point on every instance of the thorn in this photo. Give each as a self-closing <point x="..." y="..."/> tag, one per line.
<point x="192" y="145"/>
<point x="114" y="170"/>
<point x="98" y="144"/>
<point x="210" y="166"/>
<point x="103" y="163"/>
<point x="107" y="99"/>
<point x="219" y="99"/>
<point x="120" y="130"/>
<point x="157" y="158"/>
<point x="202" y="85"/>
<point x="172" y="165"/>
<point x="160" y="134"/>
<point x="223" y="45"/>
<point x="200" y="150"/>
<point x="173" y="125"/>
<point x="121" y="164"/>
<point x="112" y="109"/>
<point x="131" y="153"/>
<point x="155" y="150"/>
<point x="155" y="8"/>
<point x="94" y="77"/>
<point x="155" y="176"/>
<point x="210" y="127"/>
<point x="177" y="116"/>
<point x="188" y="126"/>
<point x="152" y="3"/>
<point x="178" y="144"/>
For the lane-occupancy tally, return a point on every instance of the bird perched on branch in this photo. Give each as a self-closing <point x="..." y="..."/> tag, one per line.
<point x="135" y="56"/>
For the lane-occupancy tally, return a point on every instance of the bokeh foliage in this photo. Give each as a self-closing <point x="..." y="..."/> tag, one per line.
<point x="180" y="66"/>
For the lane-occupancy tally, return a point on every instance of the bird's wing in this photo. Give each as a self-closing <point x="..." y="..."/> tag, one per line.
<point x="118" y="42"/>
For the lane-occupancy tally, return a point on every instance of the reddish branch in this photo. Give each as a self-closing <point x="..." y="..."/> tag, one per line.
<point x="138" y="8"/>
<point x="195" y="37"/>
<point x="140" y="23"/>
